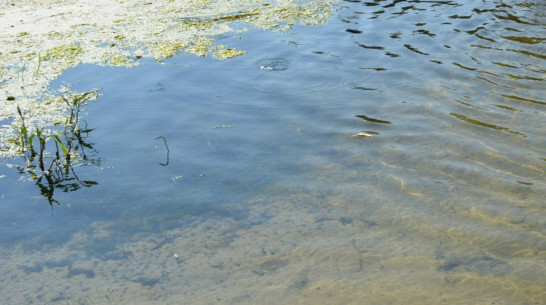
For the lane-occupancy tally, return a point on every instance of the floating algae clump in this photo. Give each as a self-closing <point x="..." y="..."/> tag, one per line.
<point x="116" y="59"/>
<point x="200" y="47"/>
<point x="68" y="52"/>
<point x="166" y="49"/>
<point x="52" y="36"/>
<point x="228" y="53"/>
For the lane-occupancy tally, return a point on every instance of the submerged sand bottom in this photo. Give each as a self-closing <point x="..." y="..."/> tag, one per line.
<point x="294" y="249"/>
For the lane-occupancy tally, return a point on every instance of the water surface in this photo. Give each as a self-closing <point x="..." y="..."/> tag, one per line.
<point x="261" y="193"/>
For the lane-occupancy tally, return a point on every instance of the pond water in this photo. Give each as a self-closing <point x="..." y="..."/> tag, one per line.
<point x="395" y="155"/>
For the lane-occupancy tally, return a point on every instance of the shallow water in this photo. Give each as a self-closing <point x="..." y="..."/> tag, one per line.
<point x="260" y="193"/>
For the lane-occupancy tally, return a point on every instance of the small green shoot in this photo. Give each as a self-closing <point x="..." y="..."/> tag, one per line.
<point x="55" y="158"/>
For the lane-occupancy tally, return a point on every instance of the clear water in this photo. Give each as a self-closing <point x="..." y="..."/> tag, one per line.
<point x="262" y="194"/>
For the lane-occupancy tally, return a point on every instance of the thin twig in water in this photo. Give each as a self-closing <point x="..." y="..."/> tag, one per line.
<point x="168" y="151"/>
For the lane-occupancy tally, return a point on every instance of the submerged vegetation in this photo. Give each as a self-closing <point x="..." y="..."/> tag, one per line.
<point x="52" y="36"/>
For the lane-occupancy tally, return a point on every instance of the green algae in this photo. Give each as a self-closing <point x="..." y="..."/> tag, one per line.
<point x="228" y="53"/>
<point x="200" y="47"/>
<point x="116" y="59"/>
<point x="165" y="49"/>
<point x="54" y="35"/>
<point x="66" y="52"/>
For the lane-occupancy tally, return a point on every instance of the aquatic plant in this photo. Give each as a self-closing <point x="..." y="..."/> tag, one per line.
<point x="34" y="141"/>
<point x="55" y="151"/>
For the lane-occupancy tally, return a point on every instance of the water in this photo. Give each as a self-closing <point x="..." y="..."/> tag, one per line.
<point x="240" y="181"/>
